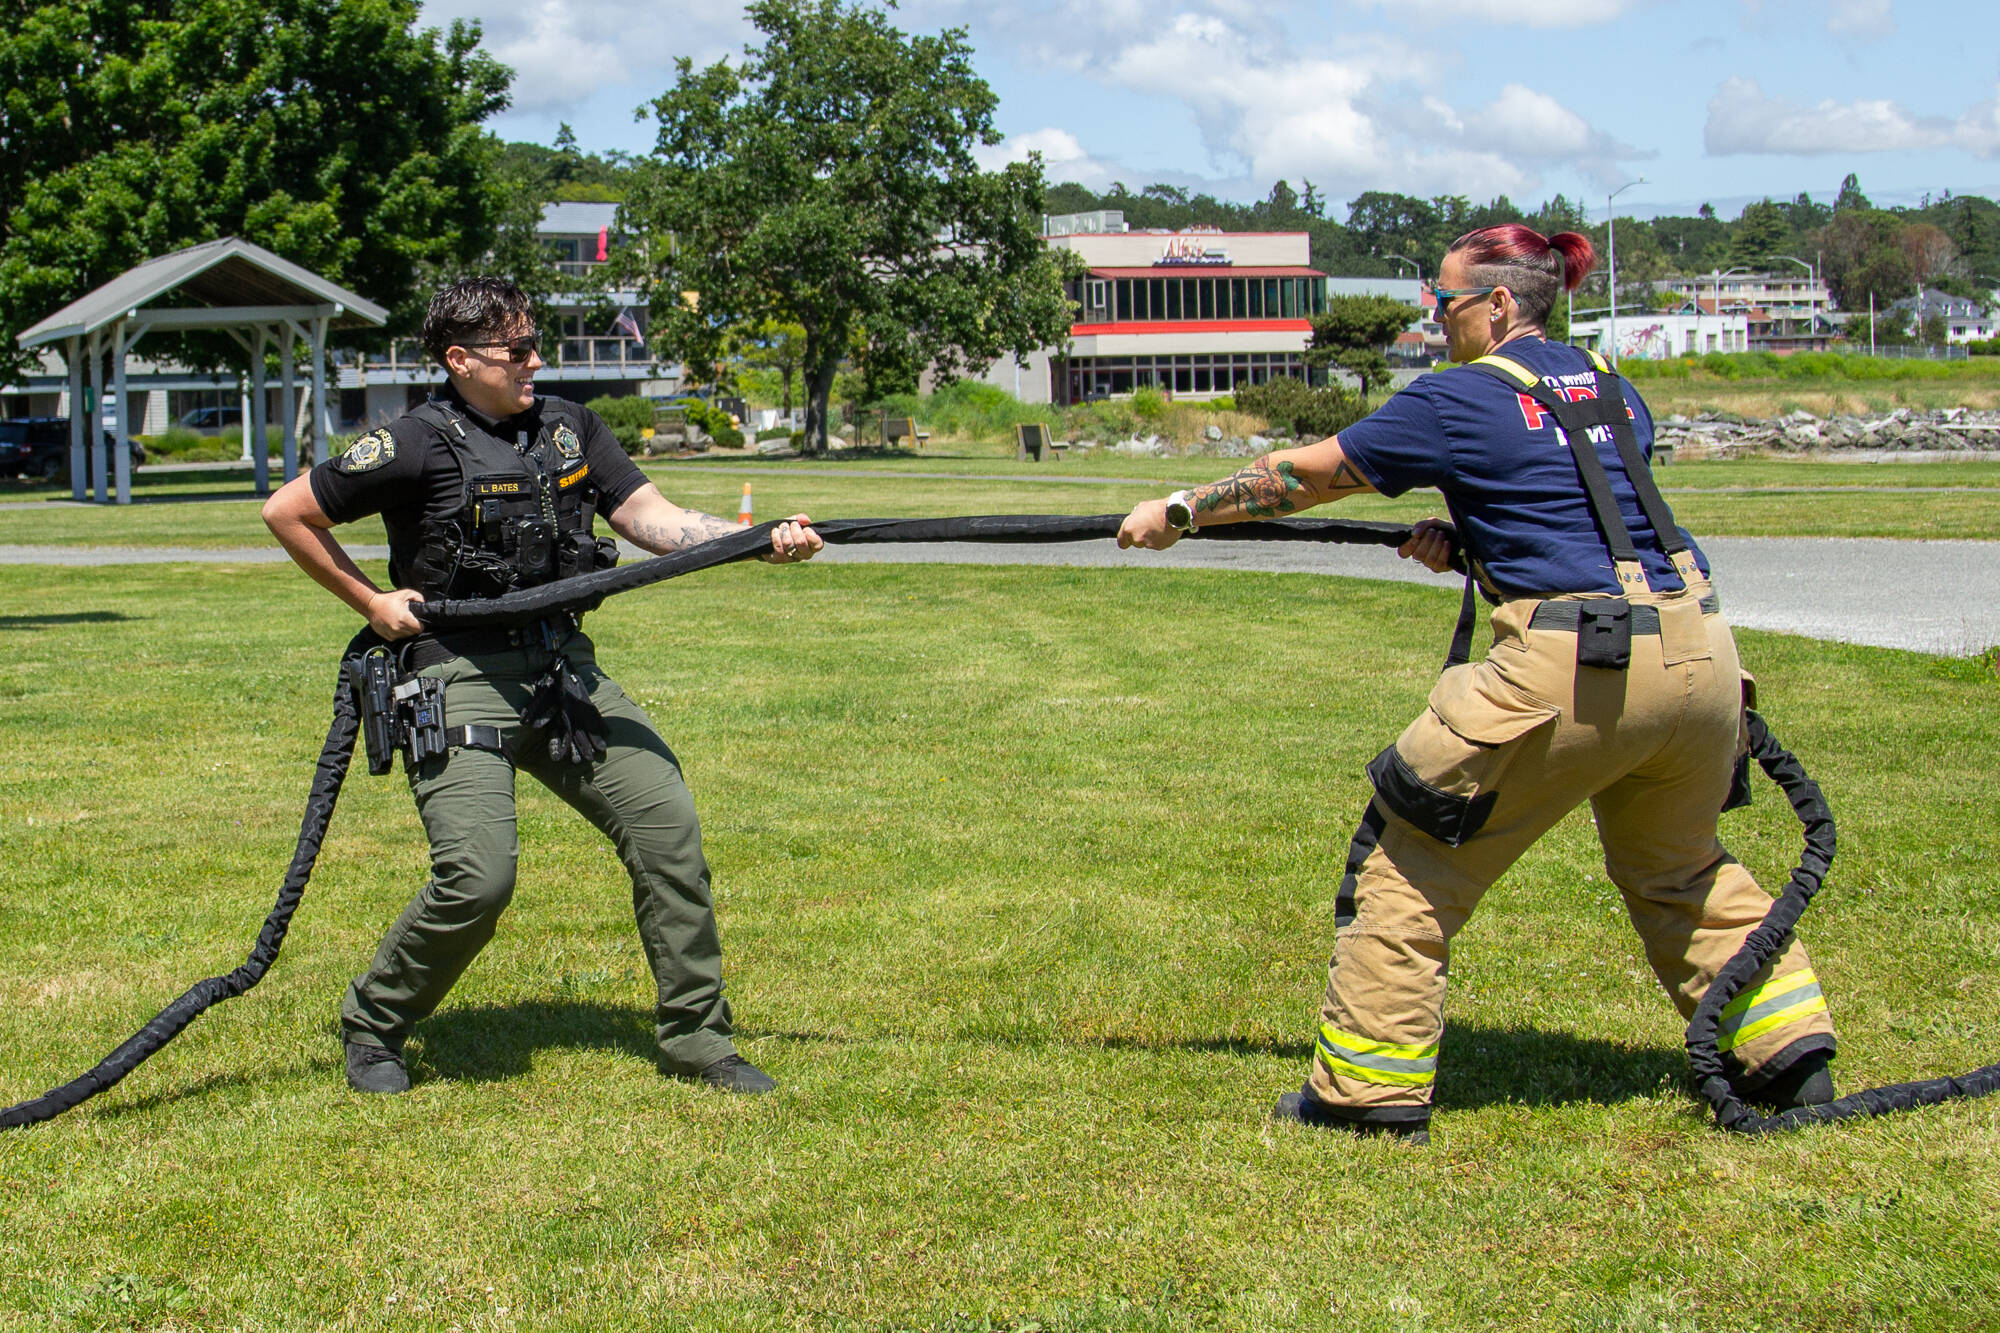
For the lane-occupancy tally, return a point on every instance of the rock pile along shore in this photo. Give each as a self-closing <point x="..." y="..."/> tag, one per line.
<point x="1949" y="430"/>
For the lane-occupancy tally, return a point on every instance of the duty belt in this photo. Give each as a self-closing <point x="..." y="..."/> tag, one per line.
<point x="432" y="649"/>
<point x="1568" y="613"/>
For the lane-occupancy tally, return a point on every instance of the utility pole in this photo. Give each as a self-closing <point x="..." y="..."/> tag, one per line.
<point x="1611" y="235"/>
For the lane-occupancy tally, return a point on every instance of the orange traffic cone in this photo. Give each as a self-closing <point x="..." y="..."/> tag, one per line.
<point x="743" y="518"/>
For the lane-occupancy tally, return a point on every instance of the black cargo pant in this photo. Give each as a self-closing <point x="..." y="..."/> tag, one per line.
<point x="635" y="797"/>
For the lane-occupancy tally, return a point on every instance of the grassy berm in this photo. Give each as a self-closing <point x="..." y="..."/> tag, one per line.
<point x="1026" y="884"/>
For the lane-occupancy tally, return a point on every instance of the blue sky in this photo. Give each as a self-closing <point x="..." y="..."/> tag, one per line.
<point x="1721" y="101"/>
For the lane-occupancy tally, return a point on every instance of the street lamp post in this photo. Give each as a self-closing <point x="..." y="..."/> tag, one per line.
<point x="1812" y="282"/>
<point x="1611" y="234"/>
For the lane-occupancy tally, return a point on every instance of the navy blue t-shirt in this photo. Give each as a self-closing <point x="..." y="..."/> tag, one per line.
<point x="1507" y="476"/>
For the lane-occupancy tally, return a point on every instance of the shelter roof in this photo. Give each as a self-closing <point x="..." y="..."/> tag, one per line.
<point x="229" y="273"/>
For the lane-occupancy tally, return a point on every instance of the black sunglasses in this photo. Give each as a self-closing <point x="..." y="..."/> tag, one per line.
<point x="1446" y="295"/>
<point x="518" y="349"/>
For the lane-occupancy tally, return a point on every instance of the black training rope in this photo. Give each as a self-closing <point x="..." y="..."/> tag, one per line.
<point x="587" y="590"/>
<point x="1730" y="1112"/>
<point x="167" y="1024"/>
<point x="583" y="592"/>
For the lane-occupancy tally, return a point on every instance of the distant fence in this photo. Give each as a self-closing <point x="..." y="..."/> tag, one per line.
<point x="1903" y="352"/>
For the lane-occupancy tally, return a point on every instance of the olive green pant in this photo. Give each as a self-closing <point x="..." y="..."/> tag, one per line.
<point x="634" y="795"/>
<point x="1529" y="735"/>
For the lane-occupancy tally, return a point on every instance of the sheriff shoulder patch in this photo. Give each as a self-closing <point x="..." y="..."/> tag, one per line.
<point x="566" y="442"/>
<point x="369" y="452"/>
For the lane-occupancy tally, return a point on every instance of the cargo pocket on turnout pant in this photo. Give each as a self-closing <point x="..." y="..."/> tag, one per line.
<point x="1443" y="773"/>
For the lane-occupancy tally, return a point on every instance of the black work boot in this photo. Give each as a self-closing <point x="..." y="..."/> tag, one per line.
<point x="1303" y="1108"/>
<point x="1807" y="1083"/>
<point x="732" y="1073"/>
<point x="376" y="1069"/>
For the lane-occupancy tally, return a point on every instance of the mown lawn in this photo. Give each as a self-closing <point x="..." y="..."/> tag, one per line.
<point x="1738" y="498"/>
<point x="1025" y="877"/>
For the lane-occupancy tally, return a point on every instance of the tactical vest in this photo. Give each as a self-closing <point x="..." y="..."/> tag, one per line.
<point x="524" y="515"/>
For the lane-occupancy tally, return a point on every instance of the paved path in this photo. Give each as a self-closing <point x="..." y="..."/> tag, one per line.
<point x="1934" y="597"/>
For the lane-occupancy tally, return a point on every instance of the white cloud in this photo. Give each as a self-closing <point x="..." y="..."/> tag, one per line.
<point x="1063" y="157"/>
<point x="1513" y="14"/>
<point x="1344" y="117"/>
<point x="565" y="51"/>
<point x="1741" y="119"/>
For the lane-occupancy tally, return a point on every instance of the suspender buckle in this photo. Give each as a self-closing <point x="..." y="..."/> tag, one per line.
<point x="1604" y="633"/>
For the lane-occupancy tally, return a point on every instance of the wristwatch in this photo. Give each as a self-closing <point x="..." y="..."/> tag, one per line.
<point x="1180" y="514"/>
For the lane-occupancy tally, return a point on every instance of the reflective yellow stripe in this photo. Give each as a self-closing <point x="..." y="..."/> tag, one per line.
<point x="1776" y="1003"/>
<point x="1803" y="1009"/>
<point x="1516" y="369"/>
<point x="1597" y="361"/>
<point x="1770" y="990"/>
<point x="1384" y="1062"/>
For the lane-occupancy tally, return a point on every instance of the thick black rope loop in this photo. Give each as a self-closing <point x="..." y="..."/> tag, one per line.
<point x="135" y="1050"/>
<point x="1764" y="942"/>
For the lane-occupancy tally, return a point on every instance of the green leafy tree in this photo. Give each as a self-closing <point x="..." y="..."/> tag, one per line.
<point x="1850" y="199"/>
<point x="1760" y="232"/>
<point x="1863" y="258"/>
<point x="1352" y="333"/>
<point x="334" y="132"/>
<point x="828" y="181"/>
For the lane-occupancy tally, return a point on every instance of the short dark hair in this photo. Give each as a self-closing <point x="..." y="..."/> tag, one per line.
<point x="1534" y="267"/>
<point x="483" y="309"/>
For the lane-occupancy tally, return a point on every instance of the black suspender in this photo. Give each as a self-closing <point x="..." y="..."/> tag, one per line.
<point x="1584" y="419"/>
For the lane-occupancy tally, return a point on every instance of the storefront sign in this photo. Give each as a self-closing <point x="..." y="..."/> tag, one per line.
<point x="1186" y="250"/>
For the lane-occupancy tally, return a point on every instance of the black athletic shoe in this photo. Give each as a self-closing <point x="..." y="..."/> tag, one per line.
<point x="1807" y="1083"/>
<point x="375" y="1069"/>
<point x="732" y="1073"/>
<point x="1304" y="1109"/>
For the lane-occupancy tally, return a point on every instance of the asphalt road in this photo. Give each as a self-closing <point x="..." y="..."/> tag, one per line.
<point x="1934" y="597"/>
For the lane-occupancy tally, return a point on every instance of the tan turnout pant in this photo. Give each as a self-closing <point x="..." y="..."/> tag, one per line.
<point x="1525" y="736"/>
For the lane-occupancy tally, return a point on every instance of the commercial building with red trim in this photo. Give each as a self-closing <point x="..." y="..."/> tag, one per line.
<point x="1192" y="313"/>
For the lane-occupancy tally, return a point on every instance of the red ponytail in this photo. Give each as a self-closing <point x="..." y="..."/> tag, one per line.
<point x="1532" y="266"/>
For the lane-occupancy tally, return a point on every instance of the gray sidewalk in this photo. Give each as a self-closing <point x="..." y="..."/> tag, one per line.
<point x="1934" y="597"/>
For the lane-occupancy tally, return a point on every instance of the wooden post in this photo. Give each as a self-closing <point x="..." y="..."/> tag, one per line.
<point x="260" y="446"/>
<point x="288" y="403"/>
<point x="78" y="467"/>
<point x="121" y="428"/>
<point x="96" y="436"/>
<point x="322" y="419"/>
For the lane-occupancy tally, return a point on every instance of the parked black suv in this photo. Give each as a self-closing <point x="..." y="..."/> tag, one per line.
<point x="39" y="447"/>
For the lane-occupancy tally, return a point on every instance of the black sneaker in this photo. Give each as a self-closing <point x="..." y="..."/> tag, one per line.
<point x="1807" y="1083"/>
<point x="732" y="1073"/>
<point x="376" y="1069"/>
<point x="1303" y="1108"/>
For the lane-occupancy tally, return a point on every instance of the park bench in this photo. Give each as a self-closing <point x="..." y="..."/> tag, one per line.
<point x="1663" y="454"/>
<point x="896" y="428"/>
<point x="1031" y="441"/>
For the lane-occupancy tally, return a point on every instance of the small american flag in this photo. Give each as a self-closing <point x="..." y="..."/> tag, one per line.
<point x="628" y="326"/>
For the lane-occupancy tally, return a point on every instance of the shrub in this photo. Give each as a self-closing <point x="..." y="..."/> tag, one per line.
<point x="1149" y="404"/>
<point x="715" y="421"/>
<point x="628" y="415"/>
<point x="1313" y="413"/>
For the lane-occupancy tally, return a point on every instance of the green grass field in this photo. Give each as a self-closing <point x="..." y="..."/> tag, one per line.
<point x="1025" y="877"/>
<point x="1737" y="498"/>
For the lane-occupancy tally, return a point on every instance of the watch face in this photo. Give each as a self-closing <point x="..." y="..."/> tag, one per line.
<point x="1179" y="515"/>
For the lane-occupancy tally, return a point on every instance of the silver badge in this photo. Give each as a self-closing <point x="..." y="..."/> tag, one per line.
<point x="369" y="452"/>
<point x="567" y="444"/>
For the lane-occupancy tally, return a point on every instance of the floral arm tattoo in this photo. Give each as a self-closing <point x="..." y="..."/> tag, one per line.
<point x="690" y="528"/>
<point x="1266" y="489"/>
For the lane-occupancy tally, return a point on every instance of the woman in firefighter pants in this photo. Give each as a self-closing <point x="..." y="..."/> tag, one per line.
<point x="1612" y="678"/>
